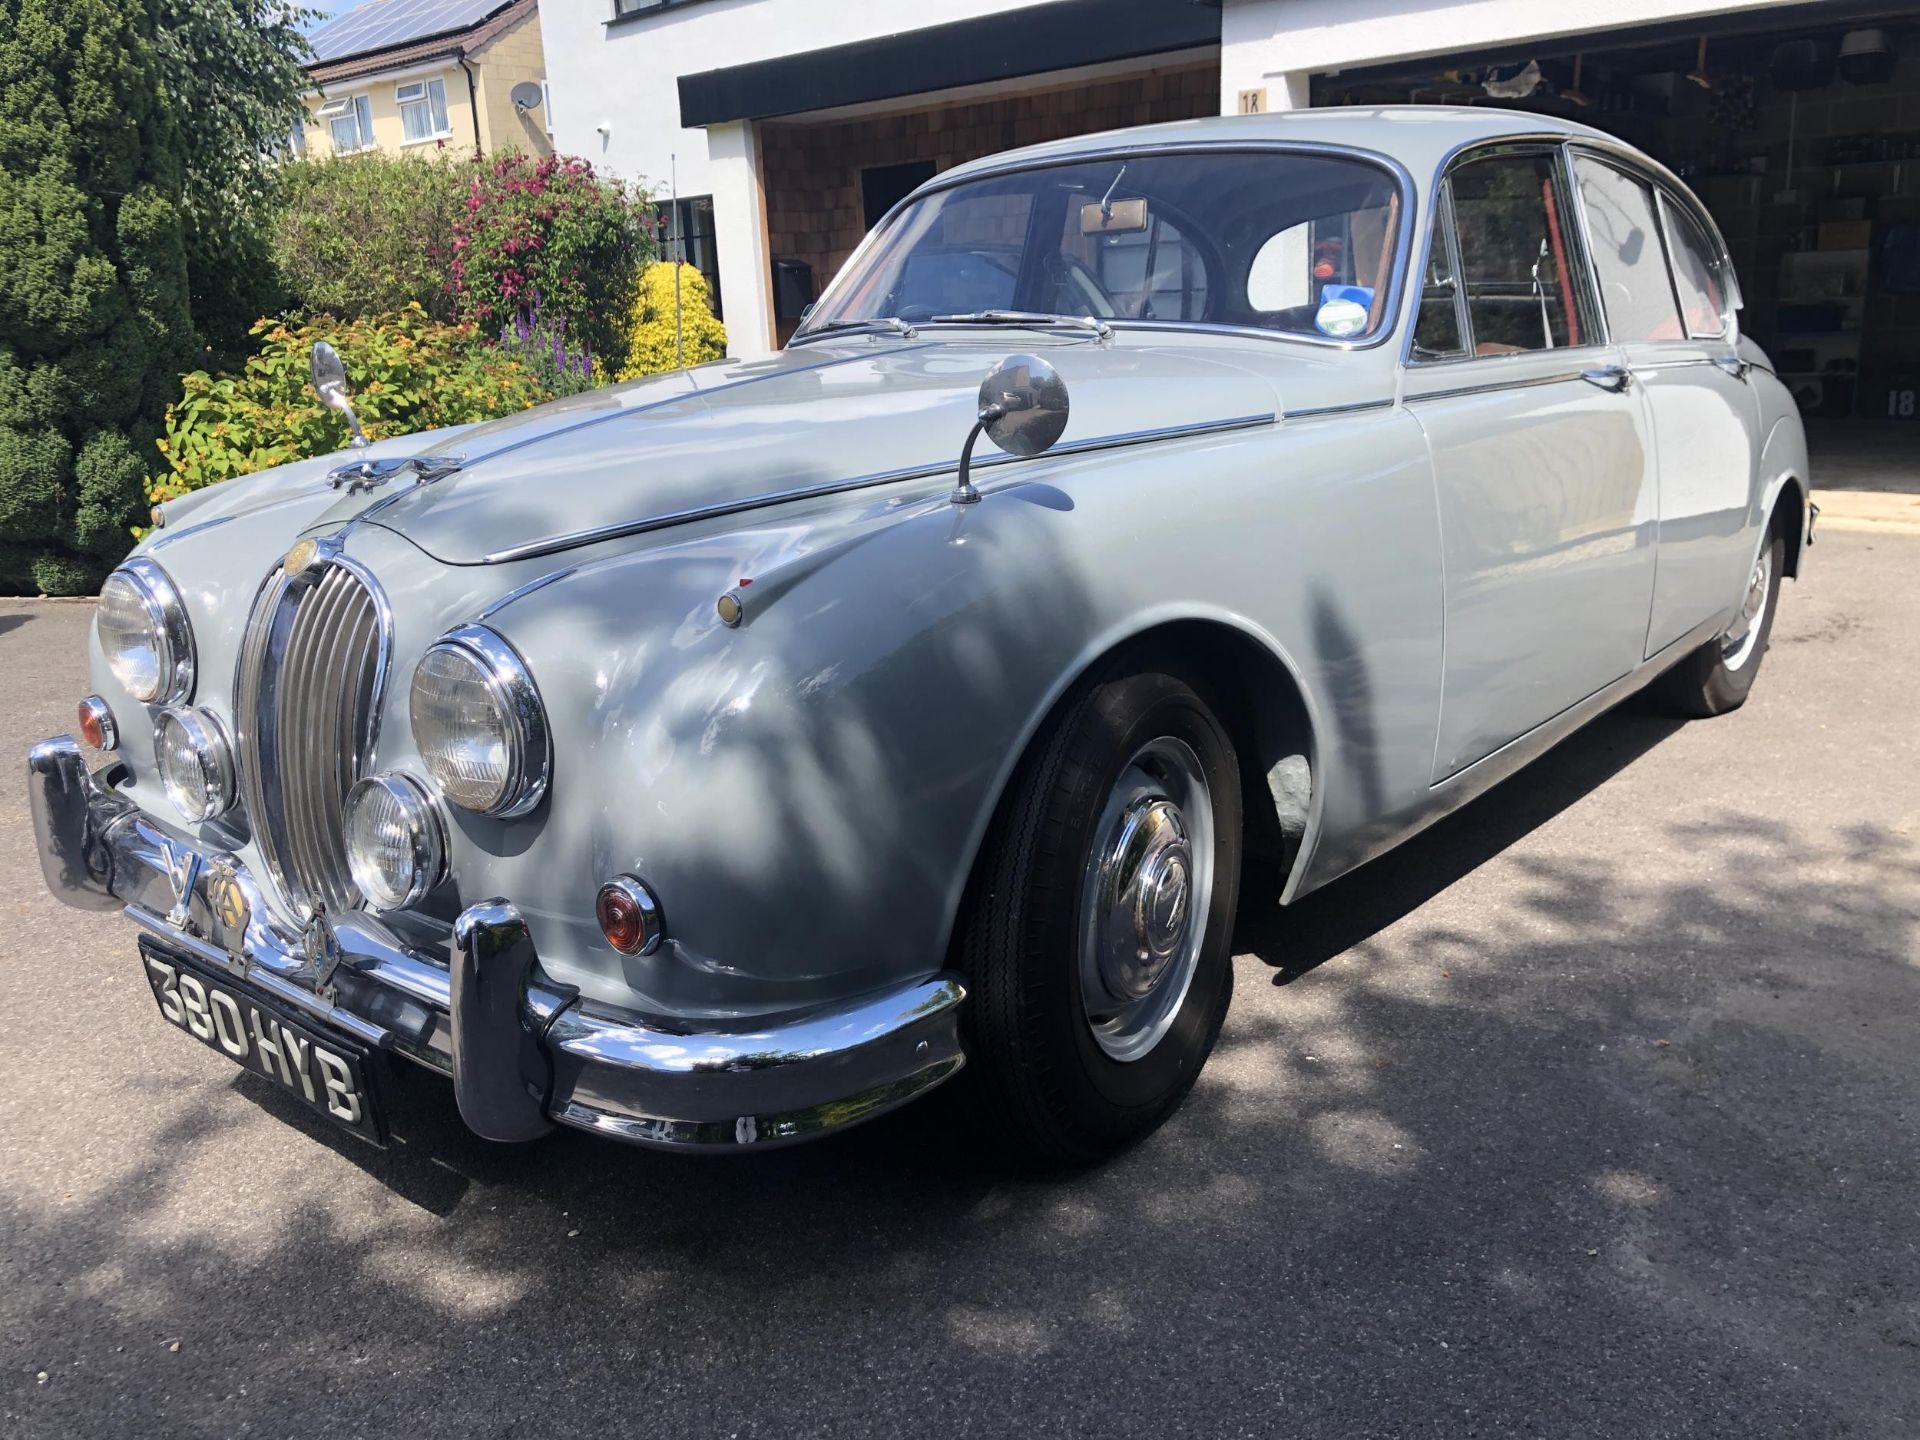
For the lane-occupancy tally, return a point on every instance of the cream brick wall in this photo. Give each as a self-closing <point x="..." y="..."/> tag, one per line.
<point x="516" y="55"/>
<point x="387" y="130"/>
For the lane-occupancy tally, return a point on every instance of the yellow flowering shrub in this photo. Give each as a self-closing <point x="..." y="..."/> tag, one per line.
<point x="650" y="348"/>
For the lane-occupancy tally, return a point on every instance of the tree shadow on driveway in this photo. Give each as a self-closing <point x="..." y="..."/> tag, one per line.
<point x="1625" y="1146"/>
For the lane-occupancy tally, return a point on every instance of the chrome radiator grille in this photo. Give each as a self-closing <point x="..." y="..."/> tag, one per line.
<point x="305" y="702"/>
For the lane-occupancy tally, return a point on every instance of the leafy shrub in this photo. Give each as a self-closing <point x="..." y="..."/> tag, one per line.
<point x="94" y="322"/>
<point x="551" y="228"/>
<point x="368" y="234"/>
<point x="407" y="371"/>
<point x="650" y="347"/>
<point x="539" y="341"/>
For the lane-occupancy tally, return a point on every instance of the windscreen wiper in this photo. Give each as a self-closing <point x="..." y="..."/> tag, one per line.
<point x="877" y="322"/>
<point x="1025" y="317"/>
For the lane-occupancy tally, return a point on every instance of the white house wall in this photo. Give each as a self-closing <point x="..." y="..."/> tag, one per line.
<point x="626" y="75"/>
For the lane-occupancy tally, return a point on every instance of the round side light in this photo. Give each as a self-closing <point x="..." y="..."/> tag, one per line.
<point x="629" y="916"/>
<point x="97" y="725"/>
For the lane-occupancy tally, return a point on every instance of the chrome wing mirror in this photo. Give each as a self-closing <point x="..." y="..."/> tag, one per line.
<point x="1023" y="409"/>
<point x="330" y="384"/>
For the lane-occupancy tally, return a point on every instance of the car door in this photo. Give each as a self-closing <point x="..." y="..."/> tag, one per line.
<point x="1706" y="421"/>
<point x="1539" y="452"/>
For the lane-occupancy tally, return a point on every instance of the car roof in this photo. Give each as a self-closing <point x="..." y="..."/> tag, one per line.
<point x="1420" y="137"/>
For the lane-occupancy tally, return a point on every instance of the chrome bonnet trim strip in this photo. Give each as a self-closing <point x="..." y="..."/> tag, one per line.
<point x="623" y="412"/>
<point x="859" y="482"/>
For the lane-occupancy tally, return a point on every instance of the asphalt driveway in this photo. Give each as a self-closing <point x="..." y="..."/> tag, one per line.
<point x="1596" y="1111"/>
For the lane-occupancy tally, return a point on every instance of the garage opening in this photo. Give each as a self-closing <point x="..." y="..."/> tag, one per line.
<point x="1803" y="140"/>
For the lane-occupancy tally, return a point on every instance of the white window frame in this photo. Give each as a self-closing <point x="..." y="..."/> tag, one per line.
<point x="360" y="108"/>
<point x="421" y="93"/>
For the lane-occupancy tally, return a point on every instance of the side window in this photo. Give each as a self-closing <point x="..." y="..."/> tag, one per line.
<point x="1436" y="329"/>
<point x="1518" y="268"/>
<point x="1628" y="258"/>
<point x="1696" y="274"/>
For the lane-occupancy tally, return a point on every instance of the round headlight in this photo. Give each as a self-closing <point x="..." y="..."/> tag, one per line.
<point x="143" y="631"/>
<point x="196" y="763"/>
<point x="396" y="846"/>
<point x="479" y="724"/>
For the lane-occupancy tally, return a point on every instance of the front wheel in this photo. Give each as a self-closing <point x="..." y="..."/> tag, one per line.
<point x="1097" y="942"/>
<point x="1717" y="677"/>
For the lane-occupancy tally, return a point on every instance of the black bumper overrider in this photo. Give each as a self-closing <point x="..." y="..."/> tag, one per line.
<point x="523" y="1052"/>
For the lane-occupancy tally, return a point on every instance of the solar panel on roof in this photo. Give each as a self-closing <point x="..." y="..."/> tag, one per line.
<point x="380" y="24"/>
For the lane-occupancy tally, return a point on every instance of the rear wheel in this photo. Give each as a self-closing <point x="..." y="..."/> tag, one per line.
<point x="1717" y="677"/>
<point x="1097" y="941"/>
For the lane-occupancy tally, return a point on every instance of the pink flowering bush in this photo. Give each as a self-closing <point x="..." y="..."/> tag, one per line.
<point x="549" y="231"/>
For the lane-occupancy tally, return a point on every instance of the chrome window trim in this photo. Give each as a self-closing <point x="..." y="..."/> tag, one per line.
<point x="1577" y="153"/>
<point x="160" y="598"/>
<point x="513" y="688"/>
<point x="1717" y="258"/>
<point x="1439" y="213"/>
<point x="859" y="482"/>
<point x="1578" y="258"/>
<point x="1397" y="172"/>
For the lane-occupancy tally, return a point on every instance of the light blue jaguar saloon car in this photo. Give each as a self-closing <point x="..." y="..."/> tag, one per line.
<point x="726" y="757"/>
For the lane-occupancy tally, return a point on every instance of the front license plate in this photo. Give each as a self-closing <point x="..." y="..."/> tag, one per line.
<point x="324" y="1072"/>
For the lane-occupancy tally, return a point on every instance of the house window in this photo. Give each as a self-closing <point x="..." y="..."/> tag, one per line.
<point x="634" y="7"/>
<point x="297" y="140"/>
<point x="687" y="233"/>
<point x="349" y="123"/>
<point x="423" y="111"/>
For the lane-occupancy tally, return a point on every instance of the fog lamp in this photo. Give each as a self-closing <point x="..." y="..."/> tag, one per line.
<point x="396" y="843"/>
<point x="196" y="763"/>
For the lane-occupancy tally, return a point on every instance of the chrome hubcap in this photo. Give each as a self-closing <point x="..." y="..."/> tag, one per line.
<point x="1743" y="636"/>
<point x="1145" y="896"/>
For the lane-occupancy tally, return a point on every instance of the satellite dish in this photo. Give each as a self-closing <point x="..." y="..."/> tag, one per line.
<point x="526" y="96"/>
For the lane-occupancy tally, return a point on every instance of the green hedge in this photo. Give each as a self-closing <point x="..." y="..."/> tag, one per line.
<point x="94" y="320"/>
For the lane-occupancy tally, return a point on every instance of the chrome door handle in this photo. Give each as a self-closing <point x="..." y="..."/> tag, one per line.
<point x="1614" y="378"/>
<point x="1734" y="366"/>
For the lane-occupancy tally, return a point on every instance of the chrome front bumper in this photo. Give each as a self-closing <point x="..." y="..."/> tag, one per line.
<point x="522" y="1050"/>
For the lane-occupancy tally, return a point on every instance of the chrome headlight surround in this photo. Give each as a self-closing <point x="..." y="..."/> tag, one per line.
<point x="152" y="591"/>
<point x="194" y="738"/>
<point x="506" y="686"/>
<point x="396" y="799"/>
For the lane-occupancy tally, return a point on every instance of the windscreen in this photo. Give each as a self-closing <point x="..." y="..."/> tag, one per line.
<point x="1300" y="244"/>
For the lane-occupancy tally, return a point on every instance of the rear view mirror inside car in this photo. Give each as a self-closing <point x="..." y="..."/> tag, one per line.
<point x="1109" y="217"/>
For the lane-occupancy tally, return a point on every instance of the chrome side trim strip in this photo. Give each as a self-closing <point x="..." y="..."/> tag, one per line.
<point x="1557" y="378"/>
<point x="1320" y="412"/>
<point x="861" y="482"/>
